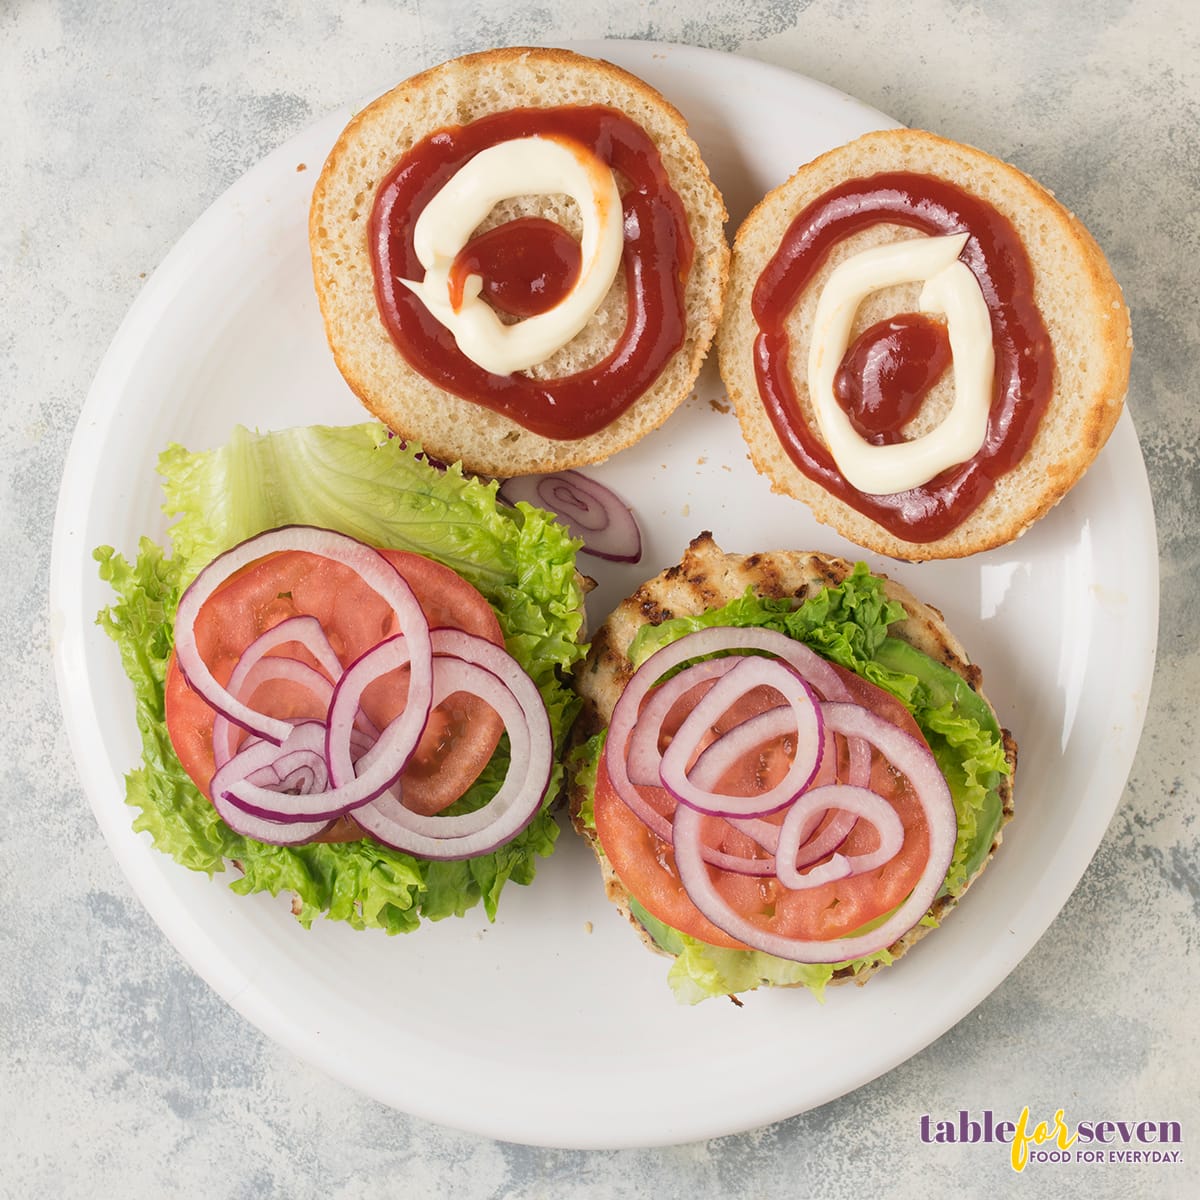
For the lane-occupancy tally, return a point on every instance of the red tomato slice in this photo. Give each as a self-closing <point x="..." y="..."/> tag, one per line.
<point x="462" y="732"/>
<point x="646" y="865"/>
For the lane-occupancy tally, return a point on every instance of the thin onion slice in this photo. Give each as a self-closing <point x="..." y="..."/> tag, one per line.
<point x="645" y="758"/>
<point x="749" y="673"/>
<point x="591" y="511"/>
<point x="299" y="762"/>
<point x="912" y="759"/>
<point x="265" y="670"/>
<point x="626" y="711"/>
<point x="811" y="667"/>
<point x="850" y="802"/>
<point x="368" y="563"/>
<point x="473" y="664"/>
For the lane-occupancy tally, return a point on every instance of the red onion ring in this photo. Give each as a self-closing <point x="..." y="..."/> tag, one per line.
<point x="289" y="779"/>
<point x="465" y="662"/>
<point x="853" y="802"/>
<point x="627" y="711"/>
<point x="749" y="673"/>
<point x="645" y="758"/>
<point x="260" y="761"/>
<point x="264" y="670"/>
<point x="909" y="756"/>
<point x="592" y="512"/>
<point x="350" y="788"/>
<point x="367" y="563"/>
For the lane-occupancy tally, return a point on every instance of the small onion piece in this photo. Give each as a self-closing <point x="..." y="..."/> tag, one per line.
<point x="912" y="759"/>
<point x="591" y="511"/>
<point x="300" y="761"/>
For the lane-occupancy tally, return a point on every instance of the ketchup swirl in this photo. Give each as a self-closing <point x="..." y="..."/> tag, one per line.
<point x="657" y="257"/>
<point x="1024" y="356"/>
<point x="527" y="266"/>
<point x="886" y="373"/>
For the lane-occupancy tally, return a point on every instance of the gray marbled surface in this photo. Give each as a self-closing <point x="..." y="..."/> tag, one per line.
<point x="121" y="1073"/>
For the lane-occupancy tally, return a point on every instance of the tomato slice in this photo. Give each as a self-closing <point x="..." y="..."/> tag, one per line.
<point x="646" y="865"/>
<point x="462" y="732"/>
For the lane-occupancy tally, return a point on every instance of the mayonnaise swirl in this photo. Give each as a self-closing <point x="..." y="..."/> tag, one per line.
<point x="950" y="288"/>
<point x="531" y="166"/>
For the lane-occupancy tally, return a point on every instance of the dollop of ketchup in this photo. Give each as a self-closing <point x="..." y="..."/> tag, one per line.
<point x="888" y="371"/>
<point x="657" y="257"/>
<point x="1024" y="372"/>
<point x="527" y="266"/>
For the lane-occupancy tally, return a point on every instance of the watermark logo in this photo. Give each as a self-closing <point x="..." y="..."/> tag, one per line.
<point x="1058" y="1141"/>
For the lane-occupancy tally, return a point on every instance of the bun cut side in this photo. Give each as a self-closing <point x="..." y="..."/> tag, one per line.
<point x="636" y="358"/>
<point x="1059" y="326"/>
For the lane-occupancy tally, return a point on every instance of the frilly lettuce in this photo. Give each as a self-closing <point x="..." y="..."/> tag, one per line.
<point x="363" y="483"/>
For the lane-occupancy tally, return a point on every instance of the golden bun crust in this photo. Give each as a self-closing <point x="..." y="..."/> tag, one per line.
<point x="707" y="578"/>
<point x="456" y="93"/>
<point x="1074" y="288"/>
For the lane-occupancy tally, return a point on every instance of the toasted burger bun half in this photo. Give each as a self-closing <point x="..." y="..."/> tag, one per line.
<point x="1074" y="289"/>
<point x="708" y="578"/>
<point x="457" y="93"/>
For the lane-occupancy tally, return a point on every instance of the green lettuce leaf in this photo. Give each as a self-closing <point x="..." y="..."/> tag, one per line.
<point x="701" y="971"/>
<point x="847" y="624"/>
<point x="361" y="482"/>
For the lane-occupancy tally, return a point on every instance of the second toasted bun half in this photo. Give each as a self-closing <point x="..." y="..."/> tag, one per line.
<point x="1074" y="289"/>
<point x="707" y="578"/>
<point x="457" y="93"/>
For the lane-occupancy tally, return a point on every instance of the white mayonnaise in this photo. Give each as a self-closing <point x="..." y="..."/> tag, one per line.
<point x="533" y="166"/>
<point x="950" y="288"/>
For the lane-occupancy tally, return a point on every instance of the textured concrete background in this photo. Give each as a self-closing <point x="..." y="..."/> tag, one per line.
<point x="120" y="1071"/>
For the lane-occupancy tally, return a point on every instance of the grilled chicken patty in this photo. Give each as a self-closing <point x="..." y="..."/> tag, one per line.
<point x="708" y="578"/>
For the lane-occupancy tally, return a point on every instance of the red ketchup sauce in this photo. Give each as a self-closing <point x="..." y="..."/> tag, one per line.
<point x="1024" y="356"/>
<point x="657" y="257"/>
<point x="527" y="266"/>
<point x="887" y="372"/>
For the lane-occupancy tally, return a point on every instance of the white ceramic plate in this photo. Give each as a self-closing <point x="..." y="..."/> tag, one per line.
<point x="554" y="1026"/>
